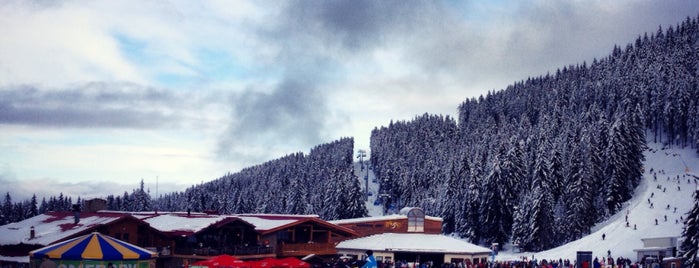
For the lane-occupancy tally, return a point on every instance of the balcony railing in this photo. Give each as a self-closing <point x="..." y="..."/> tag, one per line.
<point x="306" y="249"/>
<point x="237" y="250"/>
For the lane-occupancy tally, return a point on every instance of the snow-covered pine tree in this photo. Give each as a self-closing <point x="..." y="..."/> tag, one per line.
<point x="616" y="188"/>
<point x="495" y="227"/>
<point x="541" y="229"/>
<point x="141" y="199"/>
<point x="521" y="221"/>
<point x="470" y="228"/>
<point x="690" y="233"/>
<point x="453" y="188"/>
<point x="33" y="207"/>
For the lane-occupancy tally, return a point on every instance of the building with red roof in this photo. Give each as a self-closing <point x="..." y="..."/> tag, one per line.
<point x="180" y="237"/>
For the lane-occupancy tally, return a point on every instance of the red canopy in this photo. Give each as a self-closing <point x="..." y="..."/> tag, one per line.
<point x="223" y="261"/>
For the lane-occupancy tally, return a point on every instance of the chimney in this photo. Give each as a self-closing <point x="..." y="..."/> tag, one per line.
<point x="32" y="233"/>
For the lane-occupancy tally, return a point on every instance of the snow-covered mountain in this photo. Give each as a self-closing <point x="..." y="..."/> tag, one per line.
<point x="669" y="183"/>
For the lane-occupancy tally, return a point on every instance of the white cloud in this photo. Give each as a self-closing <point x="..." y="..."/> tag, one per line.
<point x="58" y="46"/>
<point x="233" y="73"/>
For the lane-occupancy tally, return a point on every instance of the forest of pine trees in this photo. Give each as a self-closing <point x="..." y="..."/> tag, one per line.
<point x="497" y="174"/>
<point x="538" y="163"/>
<point x="321" y="183"/>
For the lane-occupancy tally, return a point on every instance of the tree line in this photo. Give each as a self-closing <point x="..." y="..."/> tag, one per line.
<point x="321" y="183"/>
<point x="540" y="162"/>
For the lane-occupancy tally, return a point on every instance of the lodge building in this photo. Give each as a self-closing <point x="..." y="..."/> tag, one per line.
<point x="181" y="238"/>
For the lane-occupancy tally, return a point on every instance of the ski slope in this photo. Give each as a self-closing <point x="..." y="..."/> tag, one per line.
<point x="373" y="187"/>
<point x="671" y="184"/>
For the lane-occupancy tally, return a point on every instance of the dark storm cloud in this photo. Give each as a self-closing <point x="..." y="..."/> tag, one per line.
<point x="356" y="25"/>
<point x="292" y="113"/>
<point x="109" y="105"/>
<point x="313" y="38"/>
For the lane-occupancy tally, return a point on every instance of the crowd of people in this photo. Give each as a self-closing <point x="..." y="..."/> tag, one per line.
<point x="598" y="262"/>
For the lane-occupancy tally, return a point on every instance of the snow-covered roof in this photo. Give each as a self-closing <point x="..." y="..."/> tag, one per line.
<point x="653" y="248"/>
<point x="56" y="226"/>
<point x="178" y="223"/>
<point x="263" y="224"/>
<point x="380" y="218"/>
<point x="368" y="219"/>
<point x="52" y="227"/>
<point x="413" y="242"/>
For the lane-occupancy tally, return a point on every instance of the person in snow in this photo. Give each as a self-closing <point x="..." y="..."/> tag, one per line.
<point x="370" y="260"/>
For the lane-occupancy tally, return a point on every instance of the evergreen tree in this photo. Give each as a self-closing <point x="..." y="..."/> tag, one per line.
<point x="616" y="190"/>
<point x="33" y="207"/>
<point x="6" y="211"/>
<point x="690" y="233"/>
<point x="140" y="199"/>
<point x="351" y="204"/>
<point x="471" y="214"/>
<point x="495" y="227"/>
<point x="541" y="235"/>
<point x="521" y="221"/>
<point x="450" y="207"/>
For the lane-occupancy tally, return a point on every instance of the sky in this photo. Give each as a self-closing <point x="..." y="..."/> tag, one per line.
<point x="96" y="96"/>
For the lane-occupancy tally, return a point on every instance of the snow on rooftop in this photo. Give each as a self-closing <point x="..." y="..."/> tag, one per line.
<point x="413" y="242"/>
<point x="50" y="227"/>
<point x="368" y="219"/>
<point x="182" y="223"/>
<point x="264" y="224"/>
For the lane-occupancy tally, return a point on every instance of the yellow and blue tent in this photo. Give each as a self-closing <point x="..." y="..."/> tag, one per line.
<point x="96" y="249"/>
<point x="94" y="246"/>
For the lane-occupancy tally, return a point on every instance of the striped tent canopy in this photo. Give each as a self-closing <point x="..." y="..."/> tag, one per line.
<point x="94" y="246"/>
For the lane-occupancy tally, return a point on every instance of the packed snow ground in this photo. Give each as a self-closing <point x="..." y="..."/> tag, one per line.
<point x="367" y="179"/>
<point x="669" y="185"/>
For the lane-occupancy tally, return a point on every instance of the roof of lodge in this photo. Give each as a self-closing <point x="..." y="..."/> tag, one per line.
<point x="413" y="242"/>
<point x="52" y="227"/>
<point x="380" y="218"/>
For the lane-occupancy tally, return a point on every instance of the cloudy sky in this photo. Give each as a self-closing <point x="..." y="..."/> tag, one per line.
<point x="97" y="95"/>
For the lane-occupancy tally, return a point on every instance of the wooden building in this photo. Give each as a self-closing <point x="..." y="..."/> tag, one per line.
<point x="183" y="237"/>
<point x="410" y="220"/>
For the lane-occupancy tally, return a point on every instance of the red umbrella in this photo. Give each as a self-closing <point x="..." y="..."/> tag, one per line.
<point x="264" y="263"/>
<point x="223" y="261"/>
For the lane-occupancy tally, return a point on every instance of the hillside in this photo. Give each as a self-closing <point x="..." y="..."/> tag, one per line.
<point x="542" y="161"/>
<point x="668" y="165"/>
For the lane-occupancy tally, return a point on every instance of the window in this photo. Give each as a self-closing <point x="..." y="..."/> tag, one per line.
<point x="416" y="220"/>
